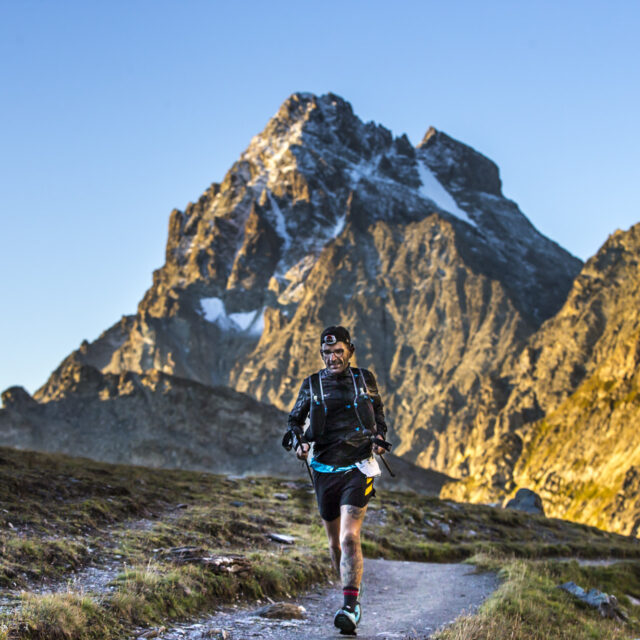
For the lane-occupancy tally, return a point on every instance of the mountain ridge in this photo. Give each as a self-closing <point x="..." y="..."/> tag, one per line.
<point x="574" y="400"/>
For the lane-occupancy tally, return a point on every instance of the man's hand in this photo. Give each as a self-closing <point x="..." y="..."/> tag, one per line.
<point x="379" y="450"/>
<point x="380" y="446"/>
<point x="303" y="451"/>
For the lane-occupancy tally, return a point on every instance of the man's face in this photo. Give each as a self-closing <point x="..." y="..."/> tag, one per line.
<point x="336" y="356"/>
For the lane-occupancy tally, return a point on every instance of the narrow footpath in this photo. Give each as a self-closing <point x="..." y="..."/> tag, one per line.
<point x="401" y="600"/>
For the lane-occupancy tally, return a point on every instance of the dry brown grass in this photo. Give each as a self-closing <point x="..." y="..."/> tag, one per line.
<point x="58" y="617"/>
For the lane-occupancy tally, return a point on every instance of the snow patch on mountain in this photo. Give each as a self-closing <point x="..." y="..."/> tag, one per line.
<point x="213" y="310"/>
<point x="291" y="284"/>
<point x="338" y="227"/>
<point x="269" y="152"/>
<point x="251" y="322"/>
<point x="366" y="169"/>
<point x="281" y="227"/>
<point x="433" y="190"/>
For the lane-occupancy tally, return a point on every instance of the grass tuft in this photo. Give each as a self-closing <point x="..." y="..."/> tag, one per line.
<point x="60" y="617"/>
<point x="529" y="606"/>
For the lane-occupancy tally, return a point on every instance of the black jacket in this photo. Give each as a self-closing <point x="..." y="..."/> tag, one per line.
<point x="337" y="436"/>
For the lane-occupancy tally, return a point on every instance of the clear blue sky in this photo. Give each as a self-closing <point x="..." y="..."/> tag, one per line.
<point x="113" y="113"/>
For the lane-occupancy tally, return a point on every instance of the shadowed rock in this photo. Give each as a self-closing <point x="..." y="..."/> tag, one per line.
<point x="526" y="500"/>
<point x="283" y="611"/>
<point x="607" y="605"/>
<point x="16" y="398"/>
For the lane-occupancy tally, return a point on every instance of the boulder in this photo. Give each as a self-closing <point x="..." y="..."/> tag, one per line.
<point x="283" y="611"/>
<point x="526" y="500"/>
<point x="606" y="604"/>
<point x="282" y="538"/>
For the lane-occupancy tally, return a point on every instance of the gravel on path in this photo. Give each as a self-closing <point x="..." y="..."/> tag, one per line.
<point x="400" y="600"/>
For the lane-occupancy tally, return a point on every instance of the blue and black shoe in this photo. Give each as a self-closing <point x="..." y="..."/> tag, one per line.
<point x="347" y="619"/>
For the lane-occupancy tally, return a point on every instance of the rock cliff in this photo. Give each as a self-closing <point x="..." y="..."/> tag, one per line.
<point x="566" y="421"/>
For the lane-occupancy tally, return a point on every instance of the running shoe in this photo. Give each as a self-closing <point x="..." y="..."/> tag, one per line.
<point x="347" y="620"/>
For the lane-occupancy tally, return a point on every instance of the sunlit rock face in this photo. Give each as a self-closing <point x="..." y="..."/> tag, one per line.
<point x="568" y="427"/>
<point x="325" y="219"/>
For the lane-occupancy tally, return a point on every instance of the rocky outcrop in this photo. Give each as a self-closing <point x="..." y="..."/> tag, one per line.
<point x="534" y="270"/>
<point x="17" y="398"/>
<point x="571" y="402"/>
<point x="527" y="501"/>
<point x="96" y="354"/>
<point x="606" y="604"/>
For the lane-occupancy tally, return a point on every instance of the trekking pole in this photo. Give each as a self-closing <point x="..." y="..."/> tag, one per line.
<point x="384" y="462"/>
<point x="306" y="463"/>
<point x="290" y="439"/>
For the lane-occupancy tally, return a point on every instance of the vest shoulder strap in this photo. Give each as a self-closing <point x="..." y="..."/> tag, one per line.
<point x="315" y="389"/>
<point x="360" y="375"/>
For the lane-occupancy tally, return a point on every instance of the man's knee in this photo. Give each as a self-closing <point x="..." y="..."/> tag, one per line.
<point x="349" y="540"/>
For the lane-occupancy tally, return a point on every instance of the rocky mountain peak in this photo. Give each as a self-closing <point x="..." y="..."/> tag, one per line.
<point x="16" y="397"/>
<point x="249" y="243"/>
<point x="329" y="119"/>
<point x="459" y="166"/>
<point x="293" y="185"/>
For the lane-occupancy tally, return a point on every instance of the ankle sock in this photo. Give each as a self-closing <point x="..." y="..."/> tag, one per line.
<point x="350" y="597"/>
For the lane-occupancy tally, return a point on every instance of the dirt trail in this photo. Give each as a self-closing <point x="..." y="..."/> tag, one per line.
<point x="401" y="599"/>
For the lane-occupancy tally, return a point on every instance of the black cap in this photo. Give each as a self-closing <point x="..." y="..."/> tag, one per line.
<point x="331" y="335"/>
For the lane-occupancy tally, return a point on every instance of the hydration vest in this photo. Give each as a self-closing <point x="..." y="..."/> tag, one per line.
<point x="362" y="406"/>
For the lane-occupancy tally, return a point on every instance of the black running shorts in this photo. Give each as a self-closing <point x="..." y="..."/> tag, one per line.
<point x="335" y="489"/>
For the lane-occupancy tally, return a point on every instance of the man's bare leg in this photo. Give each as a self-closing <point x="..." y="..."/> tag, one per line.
<point x="332" y="527"/>
<point x="351" y="519"/>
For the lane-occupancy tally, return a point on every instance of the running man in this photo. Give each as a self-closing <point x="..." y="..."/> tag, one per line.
<point x="346" y="414"/>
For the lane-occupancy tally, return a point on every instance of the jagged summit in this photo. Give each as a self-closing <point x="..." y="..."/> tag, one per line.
<point x="326" y="142"/>
<point x="459" y="166"/>
<point x="293" y="181"/>
<point x="331" y="119"/>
